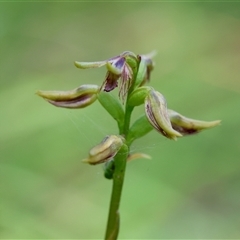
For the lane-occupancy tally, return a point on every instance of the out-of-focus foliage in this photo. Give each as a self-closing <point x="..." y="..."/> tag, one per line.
<point x="190" y="188"/>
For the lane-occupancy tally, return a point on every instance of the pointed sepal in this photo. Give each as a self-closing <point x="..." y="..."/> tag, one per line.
<point x="86" y="65"/>
<point x="79" y="97"/>
<point x="187" y="126"/>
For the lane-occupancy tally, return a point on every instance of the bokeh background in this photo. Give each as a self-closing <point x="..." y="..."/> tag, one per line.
<point x="190" y="189"/>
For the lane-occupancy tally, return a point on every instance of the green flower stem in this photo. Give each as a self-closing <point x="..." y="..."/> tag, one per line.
<point x="127" y="120"/>
<point x="118" y="179"/>
<point x="120" y="161"/>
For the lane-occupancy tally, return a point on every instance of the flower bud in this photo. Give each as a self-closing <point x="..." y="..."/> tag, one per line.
<point x="105" y="151"/>
<point x="109" y="168"/>
<point x="131" y="59"/>
<point x="77" y="98"/>
<point x="187" y="126"/>
<point x="138" y="96"/>
<point x="156" y="112"/>
<point x="142" y="71"/>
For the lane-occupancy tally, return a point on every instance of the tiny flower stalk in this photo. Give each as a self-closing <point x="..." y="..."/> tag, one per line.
<point x="130" y="74"/>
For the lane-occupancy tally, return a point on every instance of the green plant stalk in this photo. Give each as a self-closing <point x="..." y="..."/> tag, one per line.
<point x="128" y="112"/>
<point x="118" y="179"/>
<point x="120" y="161"/>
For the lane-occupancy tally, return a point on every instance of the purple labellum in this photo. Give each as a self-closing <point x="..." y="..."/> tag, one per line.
<point x="111" y="81"/>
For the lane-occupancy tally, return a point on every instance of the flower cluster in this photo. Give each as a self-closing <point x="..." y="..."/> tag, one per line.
<point x="130" y="73"/>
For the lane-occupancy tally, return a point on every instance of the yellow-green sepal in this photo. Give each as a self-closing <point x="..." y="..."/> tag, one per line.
<point x="80" y="97"/>
<point x="86" y="65"/>
<point x="187" y="126"/>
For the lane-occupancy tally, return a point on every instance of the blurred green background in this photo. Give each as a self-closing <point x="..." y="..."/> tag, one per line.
<point x="190" y="189"/>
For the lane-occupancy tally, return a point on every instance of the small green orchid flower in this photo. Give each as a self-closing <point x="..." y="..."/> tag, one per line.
<point x="105" y="151"/>
<point x="120" y="71"/>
